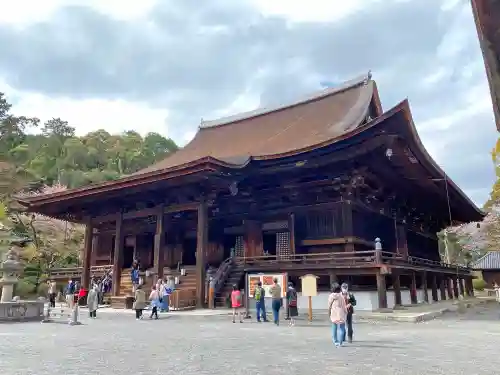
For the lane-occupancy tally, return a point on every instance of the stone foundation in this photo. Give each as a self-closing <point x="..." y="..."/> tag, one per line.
<point x="21" y="311"/>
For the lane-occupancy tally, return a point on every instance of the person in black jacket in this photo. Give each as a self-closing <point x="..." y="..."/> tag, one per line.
<point x="350" y="303"/>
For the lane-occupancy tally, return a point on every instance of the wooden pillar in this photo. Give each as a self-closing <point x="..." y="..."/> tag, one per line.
<point x="425" y="287"/>
<point x="333" y="278"/>
<point x="413" y="288"/>
<point x="402" y="242"/>
<point x="382" y="290"/>
<point x="347" y="224"/>
<point x="95" y="247"/>
<point x="442" y="287"/>
<point x="455" y="286"/>
<point x="396" y="286"/>
<point x="434" y="287"/>
<point x="118" y="256"/>
<point x="461" y="286"/>
<point x="201" y="245"/>
<point x="252" y="238"/>
<point x="469" y="287"/>
<point x="449" y="287"/>
<point x="87" y="255"/>
<point x="159" y="244"/>
<point x="291" y="229"/>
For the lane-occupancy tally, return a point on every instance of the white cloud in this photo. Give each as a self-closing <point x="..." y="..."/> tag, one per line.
<point x="24" y="12"/>
<point x="114" y="116"/>
<point x="312" y="10"/>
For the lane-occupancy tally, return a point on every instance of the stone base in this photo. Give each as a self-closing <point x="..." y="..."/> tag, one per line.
<point x="21" y="311"/>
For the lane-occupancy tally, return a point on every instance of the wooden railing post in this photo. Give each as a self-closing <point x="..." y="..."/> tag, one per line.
<point x="378" y="251"/>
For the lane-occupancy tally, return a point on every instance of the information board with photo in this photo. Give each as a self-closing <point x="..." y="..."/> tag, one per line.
<point x="267" y="280"/>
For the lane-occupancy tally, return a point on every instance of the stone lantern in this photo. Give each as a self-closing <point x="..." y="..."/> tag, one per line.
<point x="10" y="269"/>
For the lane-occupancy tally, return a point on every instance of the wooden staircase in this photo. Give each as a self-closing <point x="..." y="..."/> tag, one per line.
<point x="234" y="278"/>
<point x="188" y="281"/>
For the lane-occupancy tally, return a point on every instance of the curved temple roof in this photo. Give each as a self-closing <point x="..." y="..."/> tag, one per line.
<point x="313" y="122"/>
<point x="273" y="132"/>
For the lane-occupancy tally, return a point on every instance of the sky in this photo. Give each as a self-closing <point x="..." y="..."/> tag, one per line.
<point x="163" y="65"/>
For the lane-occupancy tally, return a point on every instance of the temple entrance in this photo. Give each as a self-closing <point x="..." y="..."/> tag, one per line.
<point x="189" y="252"/>
<point x="128" y="256"/>
<point x="229" y="244"/>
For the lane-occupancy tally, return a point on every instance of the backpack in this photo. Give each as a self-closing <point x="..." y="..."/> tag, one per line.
<point x="258" y="293"/>
<point x="292" y="301"/>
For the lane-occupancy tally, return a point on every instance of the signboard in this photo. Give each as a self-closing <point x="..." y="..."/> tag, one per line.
<point x="267" y="282"/>
<point x="309" y="285"/>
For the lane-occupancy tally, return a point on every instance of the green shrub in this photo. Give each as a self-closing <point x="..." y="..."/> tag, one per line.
<point x="479" y="284"/>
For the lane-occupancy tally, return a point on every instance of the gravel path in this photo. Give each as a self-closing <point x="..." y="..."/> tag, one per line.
<point x="118" y="344"/>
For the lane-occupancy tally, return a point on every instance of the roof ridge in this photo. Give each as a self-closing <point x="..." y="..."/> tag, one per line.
<point x="364" y="79"/>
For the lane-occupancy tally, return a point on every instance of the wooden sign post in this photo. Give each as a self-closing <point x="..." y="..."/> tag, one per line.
<point x="309" y="290"/>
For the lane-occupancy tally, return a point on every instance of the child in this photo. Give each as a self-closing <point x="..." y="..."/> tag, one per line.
<point x="154" y="297"/>
<point x="236" y="303"/>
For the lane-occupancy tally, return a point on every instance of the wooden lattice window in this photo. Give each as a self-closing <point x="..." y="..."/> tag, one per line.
<point x="283" y="245"/>
<point x="239" y="249"/>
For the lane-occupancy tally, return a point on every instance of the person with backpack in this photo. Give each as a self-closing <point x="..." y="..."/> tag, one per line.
<point x="236" y="303"/>
<point x="350" y="301"/>
<point x="291" y="299"/>
<point x="134" y="276"/>
<point x="260" y="304"/>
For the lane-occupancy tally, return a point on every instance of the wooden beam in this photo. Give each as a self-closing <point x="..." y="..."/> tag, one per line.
<point x="396" y="286"/>
<point x="336" y="241"/>
<point x="145" y="212"/>
<point x="117" y="257"/>
<point x="424" y="287"/>
<point x="201" y="246"/>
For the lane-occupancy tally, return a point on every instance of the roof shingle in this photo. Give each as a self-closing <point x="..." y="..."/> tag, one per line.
<point x="490" y="261"/>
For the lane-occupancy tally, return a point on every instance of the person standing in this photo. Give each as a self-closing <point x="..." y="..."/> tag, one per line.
<point x="134" y="275"/>
<point x="70" y="293"/>
<point x="350" y="301"/>
<point x="276" y="301"/>
<point x="52" y="293"/>
<point x="338" y="312"/>
<point x="154" y="297"/>
<point x="93" y="301"/>
<point x="236" y="303"/>
<point x="260" y="303"/>
<point x="291" y="299"/>
<point x="139" y="302"/>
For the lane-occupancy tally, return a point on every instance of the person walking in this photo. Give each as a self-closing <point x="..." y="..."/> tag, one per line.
<point x="350" y="301"/>
<point x="93" y="301"/>
<point x="154" y="297"/>
<point x="338" y="311"/>
<point x="52" y="293"/>
<point x="236" y="303"/>
<point x="139" y="302"/>
<point x="291" y="299"/>
<point x="276" y="301"/>
<point x="260" y="303"/>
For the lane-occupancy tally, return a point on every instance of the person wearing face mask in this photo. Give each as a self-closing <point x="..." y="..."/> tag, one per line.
<point x="350" y="302"/>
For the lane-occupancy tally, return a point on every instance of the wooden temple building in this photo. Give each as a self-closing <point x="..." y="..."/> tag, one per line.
<point x="302" y="188"/>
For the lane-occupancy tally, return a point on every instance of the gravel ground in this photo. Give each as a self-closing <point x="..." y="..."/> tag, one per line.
<point x="118" y="344"/>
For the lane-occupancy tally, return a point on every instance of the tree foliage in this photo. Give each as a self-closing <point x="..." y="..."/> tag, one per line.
<point x="42" y="158"/>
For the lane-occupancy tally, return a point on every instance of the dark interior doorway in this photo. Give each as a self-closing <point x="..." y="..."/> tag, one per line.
<point x="229" y="243"/>
<point x="269" y="243"/>
<point x="189" y="252"/>
<point x="128" y="256"/>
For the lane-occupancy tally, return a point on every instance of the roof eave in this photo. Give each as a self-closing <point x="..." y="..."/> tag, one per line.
<point x="405" y="107"/>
